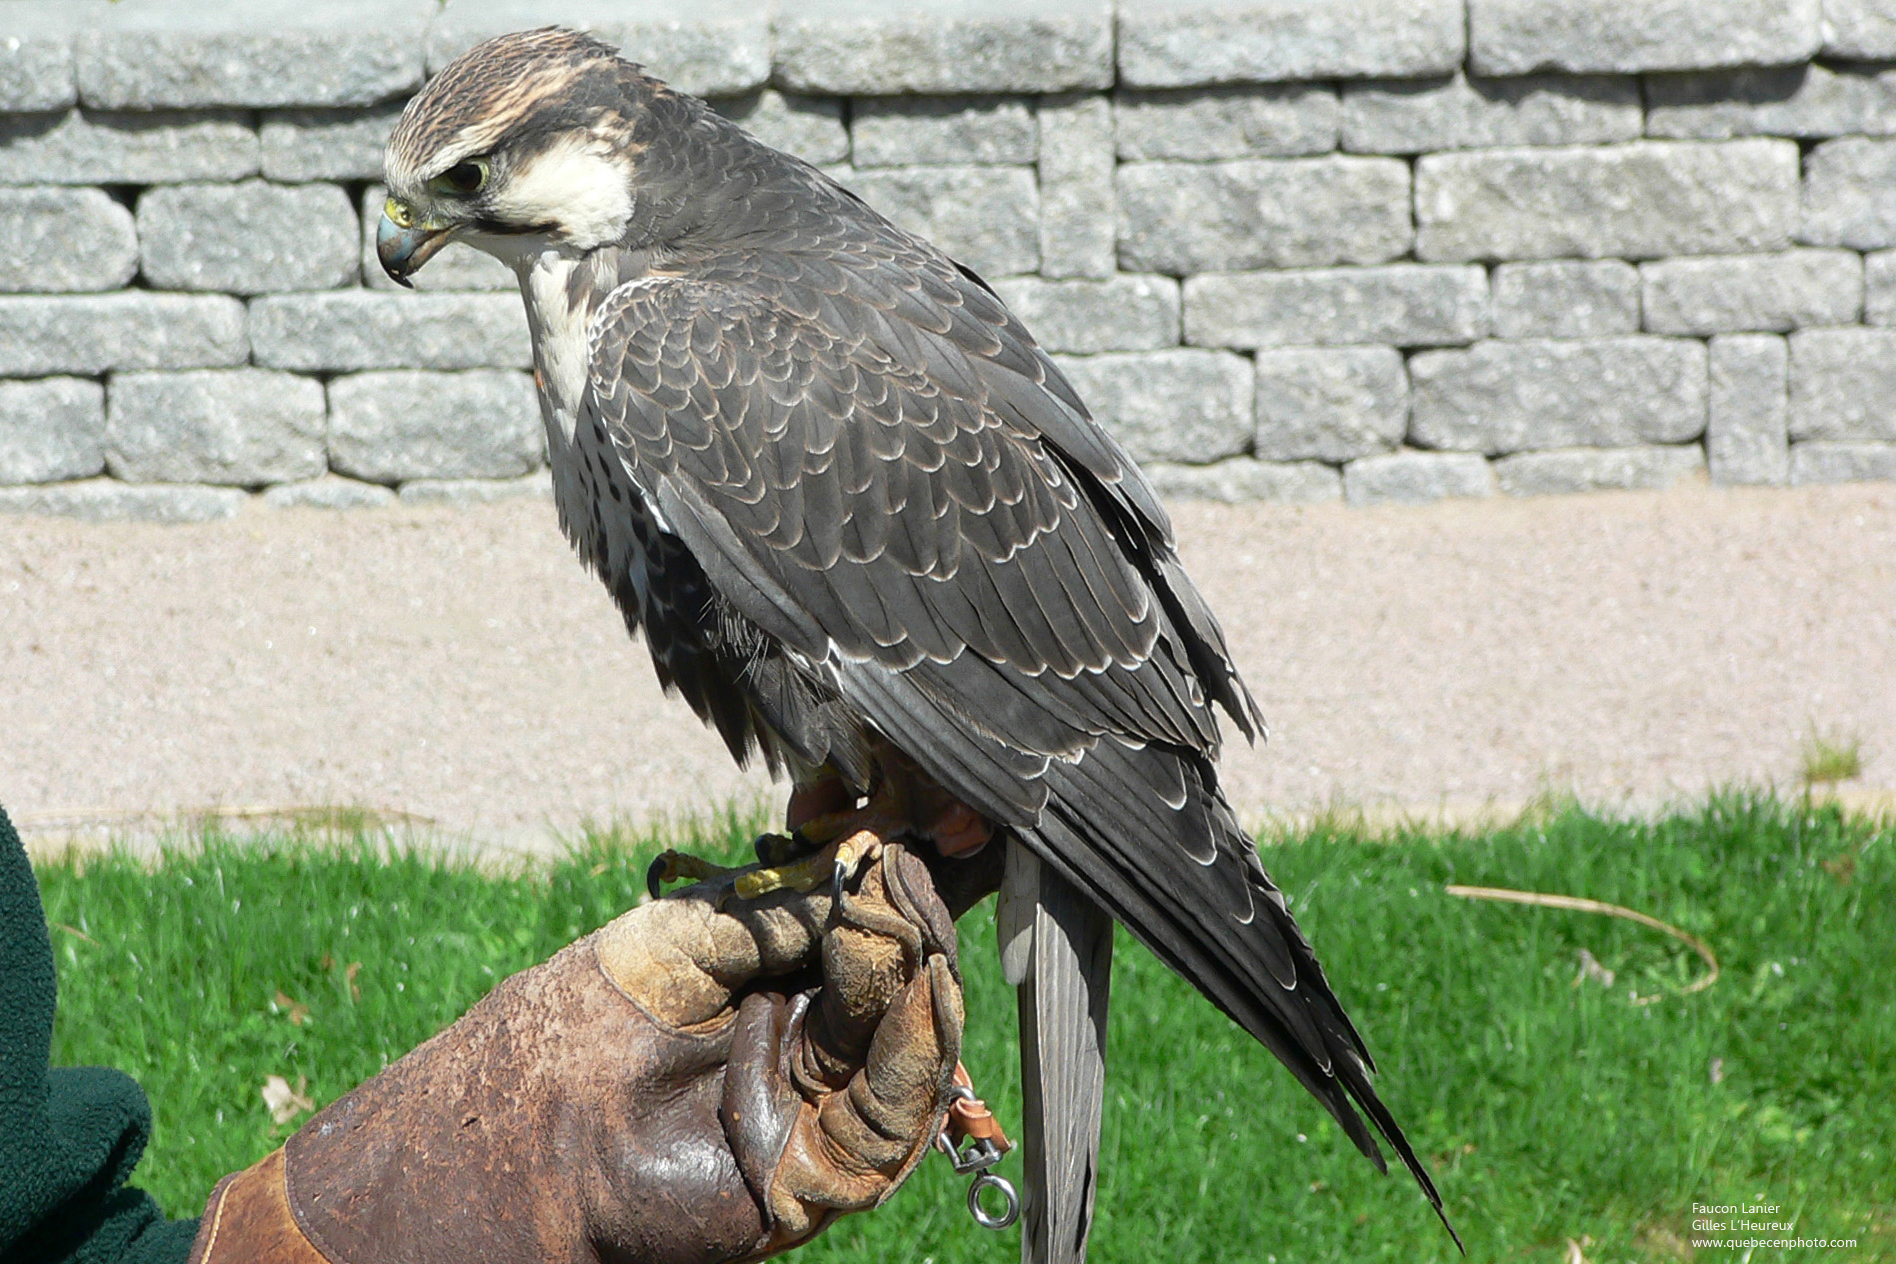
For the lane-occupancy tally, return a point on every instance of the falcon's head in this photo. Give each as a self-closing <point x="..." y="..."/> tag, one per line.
<point x="523" y="143"/>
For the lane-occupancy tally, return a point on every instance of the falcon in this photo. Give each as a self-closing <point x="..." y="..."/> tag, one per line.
<point x="872" y="535"/>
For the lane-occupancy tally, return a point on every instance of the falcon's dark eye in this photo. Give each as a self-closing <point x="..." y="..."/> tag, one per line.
<point x="463" y="177"/>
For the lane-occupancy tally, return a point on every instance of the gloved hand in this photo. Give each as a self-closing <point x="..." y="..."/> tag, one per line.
<point x="705" y="1078"/>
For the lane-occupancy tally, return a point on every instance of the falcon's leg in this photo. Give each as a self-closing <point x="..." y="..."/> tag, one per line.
<point x="824" y="810"/>
<point x="825" y="794"/>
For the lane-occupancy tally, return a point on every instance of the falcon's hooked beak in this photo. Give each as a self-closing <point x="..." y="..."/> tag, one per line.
<point x="404" y="243"/>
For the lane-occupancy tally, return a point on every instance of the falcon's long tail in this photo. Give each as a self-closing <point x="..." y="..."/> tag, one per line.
<point x="1146" y="832"/>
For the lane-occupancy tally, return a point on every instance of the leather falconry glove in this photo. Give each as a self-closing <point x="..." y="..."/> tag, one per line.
<point x="703" y="1079"/>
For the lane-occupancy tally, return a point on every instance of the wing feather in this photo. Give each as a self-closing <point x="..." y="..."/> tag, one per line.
<point x="884" y="473"/>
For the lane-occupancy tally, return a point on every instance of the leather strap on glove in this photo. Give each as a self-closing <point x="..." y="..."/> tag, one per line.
<point x="704" y="1079"/>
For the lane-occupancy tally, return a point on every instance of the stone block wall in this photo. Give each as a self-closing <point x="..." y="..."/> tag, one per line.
<point x="1288" y="249"/>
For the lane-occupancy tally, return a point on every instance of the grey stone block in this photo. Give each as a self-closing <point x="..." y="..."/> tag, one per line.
<point x="1747" y="436"/>
<point x="1808" y="100"/>
<point x="477" y="491"/>
<point x="1413" y="116"/>
<point x="249" y="238"/>
<point x="128" y="330"/>
<point x="1252" y="121"/>
<point x="1242" y="481"/>
<point x="1126" y="313"/>
<point x="80" y="147"/>
<point x="1403" y="304"/>
<point x="1824" y="462"/>
<point x="1330" y="404"/>
<point x="108" y="500"/>
<point x="1076" y="187"/>
<point x="809" y="127"/>
<point x="328" y="492"/>
<point x="1416" y="478"/>
<point x="51" y="429"/>
<point x="346" y="330"/>
<point x="36" y="52"/>
<point x="1183" y="43"/>
<point x="36" y="73"/>
<point x="1846" y="194"/>
<point x="161" y="53"/>
<point x="1863" y="30"/>
<point x="458" y="267"/>
<point x="392" y="427"/>
<point x="985" y="217"/>
<point x="870" y="48"/>
<point x="299" y="145"/>
<point x="1731" y="293"/>
<point x="1179" y="405"/>
<point x="1181" y="218"/>
<point x="238" y="427"/>
<point x="1646" y="200"/>
<point x="1879" y="288"/>
<point x="1514" y="37"/>
<point x="55" y="240"/>
<point x="1843" y="384"/>
<point x="942" y="131"/>
<point x="1596" y="469"/>
<point x="1498" y="397"/>
<point x="1566" y="298"/>
<point x="706" y="47"/>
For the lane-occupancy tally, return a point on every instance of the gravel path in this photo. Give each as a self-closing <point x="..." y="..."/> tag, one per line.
<point x="459" y="664"/>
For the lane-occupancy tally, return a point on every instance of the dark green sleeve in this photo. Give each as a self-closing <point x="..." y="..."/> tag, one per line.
<point x="69" y="1138"/>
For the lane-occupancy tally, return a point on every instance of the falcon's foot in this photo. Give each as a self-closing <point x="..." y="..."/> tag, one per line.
<point x="834" y="834"/>
<point x="838" y="864"/>
<point x="682" y="866"/>
<point x="785" y="864"/>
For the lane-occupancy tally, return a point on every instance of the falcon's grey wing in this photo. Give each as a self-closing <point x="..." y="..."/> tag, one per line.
<point x="859" y="487"/>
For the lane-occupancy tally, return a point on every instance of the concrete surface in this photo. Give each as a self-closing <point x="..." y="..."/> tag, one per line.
<point x="458" y="664"/>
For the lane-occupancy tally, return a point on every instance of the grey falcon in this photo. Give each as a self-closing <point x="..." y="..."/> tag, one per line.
<point x="872" y="534"/>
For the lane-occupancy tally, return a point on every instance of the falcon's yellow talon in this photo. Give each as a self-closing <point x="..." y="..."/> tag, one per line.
<point x="852" y="853"/>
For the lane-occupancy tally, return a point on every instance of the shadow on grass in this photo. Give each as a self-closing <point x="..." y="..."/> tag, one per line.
<point x="1550" y="1111"/>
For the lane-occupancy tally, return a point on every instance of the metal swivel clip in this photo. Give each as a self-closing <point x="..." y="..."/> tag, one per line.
<point x="970" y="1120"/>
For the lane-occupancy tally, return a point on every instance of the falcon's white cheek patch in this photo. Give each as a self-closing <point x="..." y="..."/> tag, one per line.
<point x="576" y="185"/>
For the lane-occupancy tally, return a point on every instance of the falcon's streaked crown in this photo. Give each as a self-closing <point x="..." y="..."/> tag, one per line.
<point x="528" y="133"/>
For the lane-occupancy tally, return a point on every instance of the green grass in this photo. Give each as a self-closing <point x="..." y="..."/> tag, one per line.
<point x="1549" y="1112"/>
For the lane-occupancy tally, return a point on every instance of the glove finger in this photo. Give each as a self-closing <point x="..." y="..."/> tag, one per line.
<point x="893" y="1107"/>
<point x="683" y="957"/>
<point x="879" y="941"/>
<point x="879" y="1047"/>
<point x="894" y="1104"/>
<point x="856" y="1146"/>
